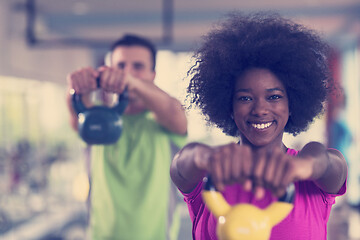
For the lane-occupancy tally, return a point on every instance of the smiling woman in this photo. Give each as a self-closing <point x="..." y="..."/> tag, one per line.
<point x="260" y="108"/>
<point x="256" y="77"/>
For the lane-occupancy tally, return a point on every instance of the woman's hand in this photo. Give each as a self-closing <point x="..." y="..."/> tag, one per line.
<point x="257" y="170"/>
<point x="228" y="164"/>
<point x="254" y="170"/>
<point x="275" y="170"/>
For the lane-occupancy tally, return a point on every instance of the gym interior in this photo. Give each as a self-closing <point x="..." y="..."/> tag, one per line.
<point x="44" y="175"/>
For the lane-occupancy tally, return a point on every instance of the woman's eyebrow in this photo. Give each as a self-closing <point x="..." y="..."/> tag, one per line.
<point x="268" y="90"/>
<point x="243" y="90"/>
<point x="275" y="89"/>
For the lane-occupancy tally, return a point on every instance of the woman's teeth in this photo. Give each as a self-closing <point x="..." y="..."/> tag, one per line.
<point x="261" y="125"/>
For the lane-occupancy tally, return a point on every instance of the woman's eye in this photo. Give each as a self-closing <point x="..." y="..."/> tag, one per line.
<point x="275" y="97"/>
<point x="244" y="98"/>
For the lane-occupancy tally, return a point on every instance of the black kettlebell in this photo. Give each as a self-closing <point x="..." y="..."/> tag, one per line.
<point x="100" y="124"/>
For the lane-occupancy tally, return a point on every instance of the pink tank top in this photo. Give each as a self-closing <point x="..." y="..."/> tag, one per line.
<point x="308" y="220"/>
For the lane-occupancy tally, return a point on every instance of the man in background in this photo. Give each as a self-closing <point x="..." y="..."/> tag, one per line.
<point x="130" y="179"/>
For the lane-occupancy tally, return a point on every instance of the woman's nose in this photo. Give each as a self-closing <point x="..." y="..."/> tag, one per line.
<point x="260" y="108"/>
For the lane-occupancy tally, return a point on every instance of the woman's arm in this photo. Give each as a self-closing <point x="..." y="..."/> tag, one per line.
<point x="329" y="168"/>
<point x="227" y="164"/>
<point x="189" y="166"/>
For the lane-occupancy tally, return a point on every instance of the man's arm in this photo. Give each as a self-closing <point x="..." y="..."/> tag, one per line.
<point x="168" y="110"/>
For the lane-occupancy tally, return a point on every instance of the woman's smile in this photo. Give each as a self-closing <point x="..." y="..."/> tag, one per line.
<point x="261" y="126"/>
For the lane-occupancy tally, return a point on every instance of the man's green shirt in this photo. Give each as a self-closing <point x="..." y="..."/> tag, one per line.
<point x="130" y="181"/>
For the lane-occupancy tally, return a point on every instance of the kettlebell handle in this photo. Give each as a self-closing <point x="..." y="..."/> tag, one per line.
<point x="287" y="197"/>
<point x="79" y="106"/>
<point x="98" y="82"/>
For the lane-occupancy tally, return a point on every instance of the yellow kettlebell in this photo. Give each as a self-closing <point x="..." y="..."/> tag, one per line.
<point x="245" y="221"/>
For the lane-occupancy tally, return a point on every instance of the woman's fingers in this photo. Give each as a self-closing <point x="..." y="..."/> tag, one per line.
<point x="236" y="167"/>
<point x="229" y="153"/>
<point x="258" y="175"/>
<point x="240" y="166"/>
<point x="217" y="168"/>
<point x="275" y="169"/>
<point x="275" y="174"/>
<point x="230" y="163"/>
<point x="234" y="163"/>
<point x="246" y="167"/>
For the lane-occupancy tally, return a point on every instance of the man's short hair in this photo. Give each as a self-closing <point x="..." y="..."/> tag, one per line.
<point x="133" y="40"/>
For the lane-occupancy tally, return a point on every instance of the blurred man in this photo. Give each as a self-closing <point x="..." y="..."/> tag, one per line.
<point x="130" y="179"/>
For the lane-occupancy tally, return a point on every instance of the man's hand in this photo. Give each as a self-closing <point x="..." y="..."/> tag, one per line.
<point x="83" y="80"/>
<point x="113" y="79"/>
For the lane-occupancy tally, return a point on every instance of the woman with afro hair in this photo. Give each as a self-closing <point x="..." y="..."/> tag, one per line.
<point x="257" y="76"/>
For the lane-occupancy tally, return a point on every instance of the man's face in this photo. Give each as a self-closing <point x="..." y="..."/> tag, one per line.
<point x="136" y="61"/>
